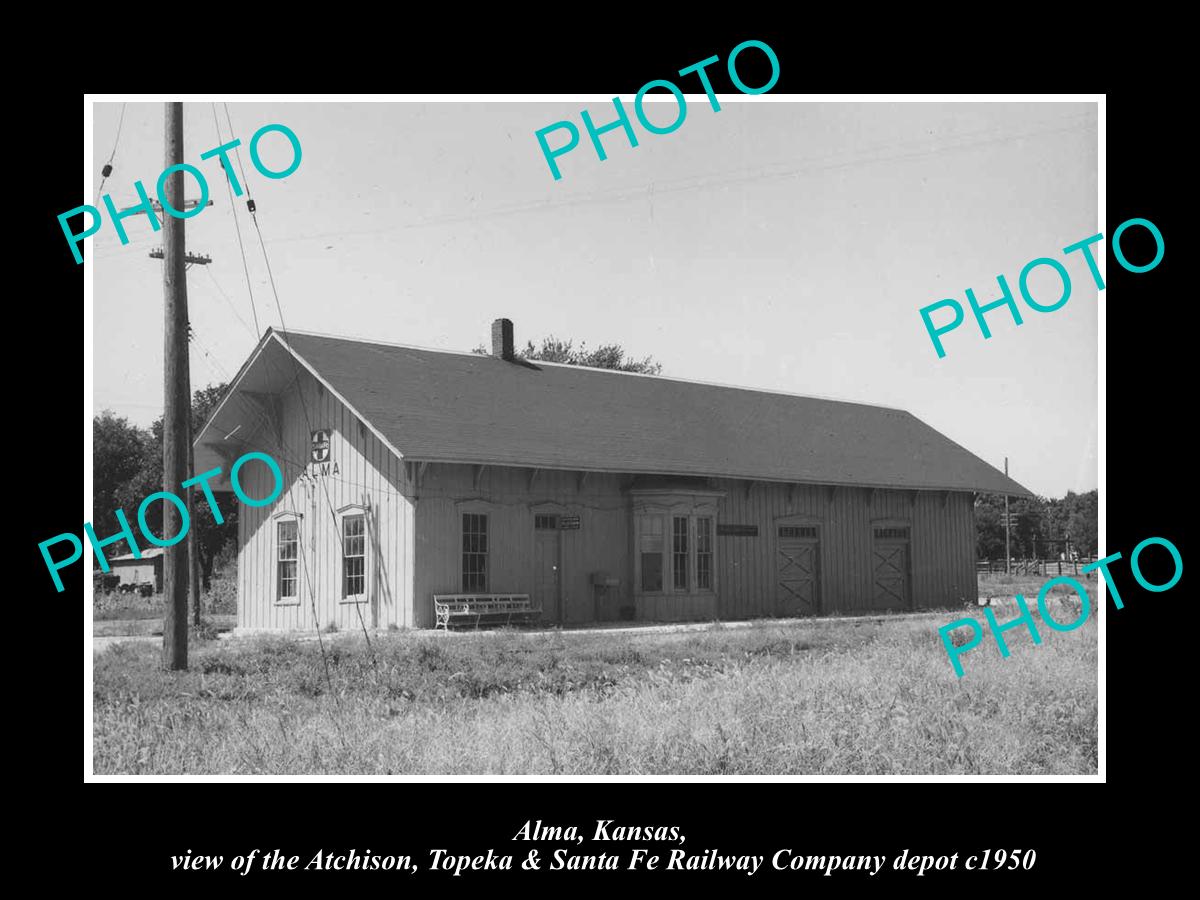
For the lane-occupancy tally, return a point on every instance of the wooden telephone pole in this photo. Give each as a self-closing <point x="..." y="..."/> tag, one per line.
<point x="177" y="413"/>
<point x="189" y="259"/>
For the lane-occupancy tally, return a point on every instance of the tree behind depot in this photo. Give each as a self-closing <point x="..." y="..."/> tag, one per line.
<point x="606" y="356"/>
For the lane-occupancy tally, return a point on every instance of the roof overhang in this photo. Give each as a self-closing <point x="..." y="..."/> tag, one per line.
<point x="249" y="416"/>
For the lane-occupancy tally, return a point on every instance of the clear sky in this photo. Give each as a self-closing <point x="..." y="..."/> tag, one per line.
<point x="778" y="245"/>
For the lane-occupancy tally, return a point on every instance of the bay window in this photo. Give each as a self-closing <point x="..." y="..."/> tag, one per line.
<point x="675" y="552"/>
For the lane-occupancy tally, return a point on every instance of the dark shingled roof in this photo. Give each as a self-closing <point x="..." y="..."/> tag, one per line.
<point x="469" y="408"/>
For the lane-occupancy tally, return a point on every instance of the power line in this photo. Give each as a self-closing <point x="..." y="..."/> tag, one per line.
<point x="233" y="211"/>
<point x="225" y="297"/>
<point x="222" y="374"/>
<point x="829" y="162"/>
<point x="296" y="372"/>
<point x="107" y="170"/>
<point x="238" y="153"/>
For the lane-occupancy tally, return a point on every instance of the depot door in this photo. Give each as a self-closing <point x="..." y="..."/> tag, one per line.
<point x="547" y="567"/>
<point x="797" y="580"/>
<point x="890" y="559"/>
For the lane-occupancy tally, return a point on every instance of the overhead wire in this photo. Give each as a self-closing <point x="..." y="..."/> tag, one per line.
<point x="233" y="212"/>
<point x="770" y="171"/>
<point x="238" y="152"/>
<point x="308" y="580"/>
<point x="211" y="360"/>
<point x="107" y="170"/>
<point x="225" y="297"/>
<point x="251" y="207"/>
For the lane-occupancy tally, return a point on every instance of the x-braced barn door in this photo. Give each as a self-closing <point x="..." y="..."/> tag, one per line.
<point x="797" y="578"/>
<point x="890" y="563"/>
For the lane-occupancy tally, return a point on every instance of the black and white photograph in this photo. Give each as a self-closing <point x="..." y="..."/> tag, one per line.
<point x="734" y="434"/>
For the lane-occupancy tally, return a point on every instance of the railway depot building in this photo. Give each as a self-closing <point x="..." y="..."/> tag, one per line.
<point x="603" y="495"/>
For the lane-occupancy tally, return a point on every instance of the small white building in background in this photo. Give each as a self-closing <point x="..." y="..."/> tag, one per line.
<point x="147" y="570"/>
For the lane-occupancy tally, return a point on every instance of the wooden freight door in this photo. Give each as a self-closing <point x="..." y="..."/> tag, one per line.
<point x="547" y="567"/>
<point x="797" y="582"/>
<point x="890" y="559"/>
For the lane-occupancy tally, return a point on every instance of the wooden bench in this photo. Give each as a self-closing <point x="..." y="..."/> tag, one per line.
<point x="492" y="607"/>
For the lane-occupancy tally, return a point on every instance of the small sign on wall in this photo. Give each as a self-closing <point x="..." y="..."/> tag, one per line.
<point x="319" y="453"/>
<point x="320" y="446"/>
<point x="568" y="523"/>
<point x="737" y="530"/>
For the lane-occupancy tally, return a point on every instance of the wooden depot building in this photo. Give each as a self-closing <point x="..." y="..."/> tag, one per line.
<point x="603" y="495"/>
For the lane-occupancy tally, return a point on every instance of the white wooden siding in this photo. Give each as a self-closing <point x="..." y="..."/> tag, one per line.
<point x="369" y="475"/>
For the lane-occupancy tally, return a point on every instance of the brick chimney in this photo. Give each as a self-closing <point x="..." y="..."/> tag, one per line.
<point x="502" y="339"/>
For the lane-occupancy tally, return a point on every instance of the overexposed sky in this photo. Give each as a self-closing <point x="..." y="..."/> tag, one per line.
<point x="778" y="245"/>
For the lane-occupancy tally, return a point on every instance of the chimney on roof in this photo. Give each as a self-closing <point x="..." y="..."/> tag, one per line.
<point x="502" y="339"/>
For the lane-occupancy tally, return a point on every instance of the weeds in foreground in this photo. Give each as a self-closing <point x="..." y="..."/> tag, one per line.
<point x="863" y="697"/>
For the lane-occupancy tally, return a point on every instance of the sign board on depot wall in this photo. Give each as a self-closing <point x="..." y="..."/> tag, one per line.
<point x="727" y="530"/>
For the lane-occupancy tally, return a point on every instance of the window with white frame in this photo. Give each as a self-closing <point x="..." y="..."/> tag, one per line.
<point x="287" y="544"/>
<point x="675" y="553"/>
<point x="354" y="556"/>
<point x="474" y="553"/>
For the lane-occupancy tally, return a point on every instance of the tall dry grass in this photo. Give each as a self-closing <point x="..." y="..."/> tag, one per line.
<point x="858" y="697"/>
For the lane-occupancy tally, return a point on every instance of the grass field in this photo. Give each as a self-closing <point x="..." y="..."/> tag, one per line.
<point x="867" y="696"/>
<point x="1029" y="585"/>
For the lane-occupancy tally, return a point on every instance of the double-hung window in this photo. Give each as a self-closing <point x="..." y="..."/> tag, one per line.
<point x="680" y="559"/>
<point x="704" y="553"/>
<point x="474" y="553"/>
<point x="354" y="556"/>
<point x="652" y="553"/>
<point x="287" y="549"/>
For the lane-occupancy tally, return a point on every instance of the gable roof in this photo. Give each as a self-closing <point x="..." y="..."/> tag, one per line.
<point x="440" y="406"/>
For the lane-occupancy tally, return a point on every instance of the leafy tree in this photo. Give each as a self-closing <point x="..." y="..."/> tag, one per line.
<point x="211" y="538"/>
<point x="204" y="401"/>
<point x="1042" y="528"/>
<point x="606" y="356"/>
<point x="127" y="467"/>
<point x="118" y="452"/>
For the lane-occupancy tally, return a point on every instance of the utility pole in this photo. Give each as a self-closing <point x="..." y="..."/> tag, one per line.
<point x="177" y="396"/>
<point x="193" y="546"/>
<point x="1007" y="526"/>
<point x="192" y="259"/>
<point x="189" y="259"/>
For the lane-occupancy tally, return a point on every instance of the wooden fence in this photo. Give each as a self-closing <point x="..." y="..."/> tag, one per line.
<point x="1039" y="567"/>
